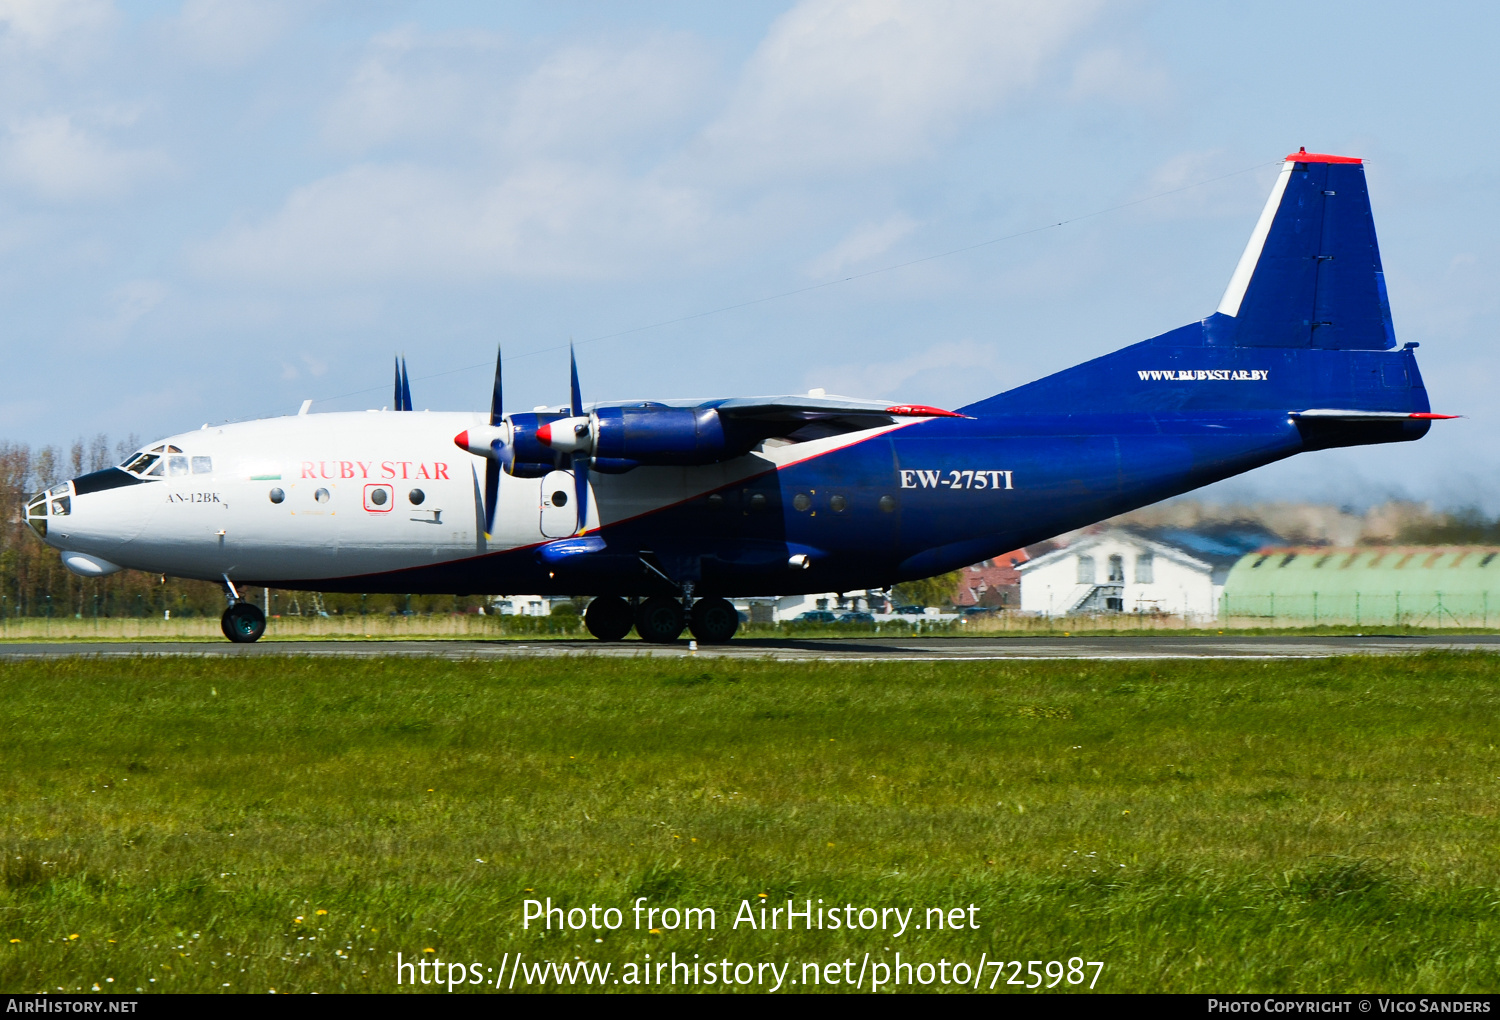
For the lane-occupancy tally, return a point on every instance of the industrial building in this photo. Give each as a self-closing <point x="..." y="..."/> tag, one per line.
<point x="1419" y="586"/>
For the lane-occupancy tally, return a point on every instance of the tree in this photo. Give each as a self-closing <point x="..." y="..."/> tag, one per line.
<point x="929" y="591"/>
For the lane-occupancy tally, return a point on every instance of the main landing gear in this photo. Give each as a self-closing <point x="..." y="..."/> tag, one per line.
<point x="242" y="622"/>
<point x="660" y="619"/>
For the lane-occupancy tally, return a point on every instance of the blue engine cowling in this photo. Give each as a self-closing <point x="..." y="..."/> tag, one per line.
<point x="530" y="457"/>
<point x="654" y="434"/>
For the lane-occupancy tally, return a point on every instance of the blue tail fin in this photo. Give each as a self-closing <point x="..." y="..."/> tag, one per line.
<point x="1304" y="323"/>
<point x="1311" y="274"/>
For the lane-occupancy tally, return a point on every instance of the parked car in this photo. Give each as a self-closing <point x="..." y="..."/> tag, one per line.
<point x="856" y="618"/>
<point x="817" y="616"/>
<point x="979" y="611"/>
<point x="909" y="610"/>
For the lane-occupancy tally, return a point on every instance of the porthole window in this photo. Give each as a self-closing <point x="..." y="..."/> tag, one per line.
<point x="321" y="495"/>
<point x="888" y="503"/>
<point x="716" y="502"/>
<point x="559" y="498"/>
<point x="416" y="496"/>
<point x="838" y="504"/>
<point x="758" y="501"/>
<point x="277" y="495"/>
<point x="802" y="501"/>
<point x="378" y="497"/>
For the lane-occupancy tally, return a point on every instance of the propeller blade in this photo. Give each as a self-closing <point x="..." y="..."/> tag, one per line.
<point x="496" y="407"/>
<point x="491" y="492"/>
<point x="405" y="387"/>
<point x="576" y="409"/>
<point x="581" y="492"/>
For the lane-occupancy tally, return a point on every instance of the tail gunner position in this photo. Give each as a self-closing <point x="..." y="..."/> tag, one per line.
<point x="663" y="510"/>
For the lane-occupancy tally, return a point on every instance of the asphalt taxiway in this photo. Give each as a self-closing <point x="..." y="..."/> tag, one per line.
<point x="872" y="649"/>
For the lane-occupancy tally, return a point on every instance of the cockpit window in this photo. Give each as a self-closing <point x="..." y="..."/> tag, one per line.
<point x="165" y="460"/>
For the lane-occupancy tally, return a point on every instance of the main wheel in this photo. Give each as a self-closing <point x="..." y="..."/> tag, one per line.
<point x="659" y="619"/>
<point x="714" y="621"/>
<point x="243" y="623"/>
<point x="608" y="618"/>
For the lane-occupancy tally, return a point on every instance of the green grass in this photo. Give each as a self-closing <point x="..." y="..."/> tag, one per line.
<point x="1319" y="825"/>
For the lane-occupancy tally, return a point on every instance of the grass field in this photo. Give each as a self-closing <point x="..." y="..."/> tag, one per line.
<point x="1311" y="825"/>
<point x="472" y="627"/>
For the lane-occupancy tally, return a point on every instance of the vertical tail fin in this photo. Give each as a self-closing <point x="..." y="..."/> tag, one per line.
<point x="1311" y="274"/>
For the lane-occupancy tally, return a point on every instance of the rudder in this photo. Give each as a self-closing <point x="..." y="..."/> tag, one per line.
<point x="1311" y="274"/>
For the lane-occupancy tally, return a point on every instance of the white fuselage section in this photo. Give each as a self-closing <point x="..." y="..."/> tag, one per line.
<point x="310" y="497"/>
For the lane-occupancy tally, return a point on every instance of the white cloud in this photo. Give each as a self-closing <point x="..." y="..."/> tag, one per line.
<point x="230" y="33"/>
<point x="593" y="98"/>
<point x="1120" y="76"/>
<point x="862" y="244"/>
<point x="388" y="222"/>
<point x="60" y="161"/>
<point x="473" y="87"/>
<point x="413" y="88"/>
<point x="38" y="24"/>
<point x="927" y="374"/>
<point x="850" y="83"/>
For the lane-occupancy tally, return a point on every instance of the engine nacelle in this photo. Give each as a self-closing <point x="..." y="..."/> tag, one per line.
<point x="653" y="434"/>
<point x="531" y="456"/>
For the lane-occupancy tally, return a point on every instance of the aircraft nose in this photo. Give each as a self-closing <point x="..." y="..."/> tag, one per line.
<point x="49" y="504"/>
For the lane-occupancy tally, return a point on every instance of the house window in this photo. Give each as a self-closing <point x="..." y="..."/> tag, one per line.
<point x="1085" y="570"/>
<point x="1145" y="568"/>
<point x="1117" y="569"/>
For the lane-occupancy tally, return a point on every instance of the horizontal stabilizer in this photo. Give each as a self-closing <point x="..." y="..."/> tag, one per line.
<point x="1335" y="414"/>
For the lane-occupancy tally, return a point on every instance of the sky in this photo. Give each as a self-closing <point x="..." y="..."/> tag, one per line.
<point x="212" y="210"/>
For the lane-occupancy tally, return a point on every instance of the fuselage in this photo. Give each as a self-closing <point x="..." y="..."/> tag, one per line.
<point x="385" y="501"/>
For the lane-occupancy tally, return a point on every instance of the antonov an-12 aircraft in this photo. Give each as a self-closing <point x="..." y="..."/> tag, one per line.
<point x="663" y="510"/>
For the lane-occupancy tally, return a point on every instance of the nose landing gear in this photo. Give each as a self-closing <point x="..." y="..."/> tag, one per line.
<point x="242" y="622"/>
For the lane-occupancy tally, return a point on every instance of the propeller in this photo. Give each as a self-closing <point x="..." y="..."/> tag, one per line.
<point x="580" y="460"/>
<point x="402" y="399"/>
<point x="564" y="443"/>
<point x="493" y="465"/>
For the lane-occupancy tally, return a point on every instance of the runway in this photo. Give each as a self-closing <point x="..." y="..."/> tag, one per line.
<point x="873" y="649"/>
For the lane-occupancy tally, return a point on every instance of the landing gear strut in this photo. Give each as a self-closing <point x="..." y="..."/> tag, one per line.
<point x="242" y="622"/>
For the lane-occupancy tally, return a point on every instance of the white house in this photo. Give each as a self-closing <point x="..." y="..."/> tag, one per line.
<point x="1118" y="572"/>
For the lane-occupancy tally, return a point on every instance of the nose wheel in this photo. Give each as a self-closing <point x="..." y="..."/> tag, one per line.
<point x="243" y="623"/>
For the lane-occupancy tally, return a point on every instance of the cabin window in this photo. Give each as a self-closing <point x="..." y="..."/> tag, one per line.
<point x="1117" y="569"/>
<point x="1145" y="568"/>
<point x="203" y="465"/>
<point x="1085" y="570"/>
<point x="321" y="495"/>
<point x="802" y="501"/>
<point x="888" y="503"/>
<point x="838" y="504"/>
<point x="416" y="496"/>
<point x="277" y="495"/>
